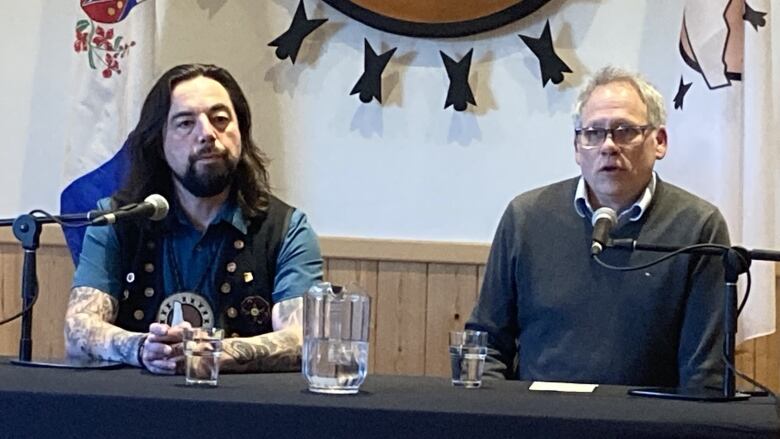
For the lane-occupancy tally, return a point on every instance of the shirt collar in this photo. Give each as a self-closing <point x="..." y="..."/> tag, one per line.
<point x="633" y="213"/>
<point x="230" y="213"/>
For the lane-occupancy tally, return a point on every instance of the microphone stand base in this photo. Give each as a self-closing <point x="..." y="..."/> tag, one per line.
<point x="706" y="395"/>
<point x="69" y="363"/>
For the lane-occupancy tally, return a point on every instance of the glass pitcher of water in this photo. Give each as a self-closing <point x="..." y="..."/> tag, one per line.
<point x="335" y="338"/>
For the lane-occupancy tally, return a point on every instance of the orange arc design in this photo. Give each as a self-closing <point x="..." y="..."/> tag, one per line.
<point x="436" y="11"/>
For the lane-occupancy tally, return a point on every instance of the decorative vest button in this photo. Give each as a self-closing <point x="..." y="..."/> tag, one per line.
<point x="248" y="277"/>
<point x="232" y="313"/>
<point x="149" y="267"/>
<point x="130" y="278"/>
<point x="149" y="292"/>
<point x="254" y="312"/>
<point x="150" y="245"/>
<point x="138" y="314"/>
<point x="231" y="267"/>
<point x="238" y="244"/>
<point x="125" y="294"/>
<point x="225" y="288"/>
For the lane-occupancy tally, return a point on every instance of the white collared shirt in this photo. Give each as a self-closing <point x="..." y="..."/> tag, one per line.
<point x="633" y="213"/>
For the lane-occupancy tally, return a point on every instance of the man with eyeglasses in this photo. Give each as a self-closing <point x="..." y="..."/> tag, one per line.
<point x="554" y="314"/>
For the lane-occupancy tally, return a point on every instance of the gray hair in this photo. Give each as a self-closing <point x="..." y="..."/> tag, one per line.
<point x="656" y="111"/>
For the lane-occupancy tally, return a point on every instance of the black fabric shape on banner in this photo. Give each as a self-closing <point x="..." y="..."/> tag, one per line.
<point x="370" y="83"/>
<point x="755" y="18"/>
<point x="551" y="65"/>
<point x="459" y="94"/>
<point x="289" y="43"/>
<point x="679" y="98"/>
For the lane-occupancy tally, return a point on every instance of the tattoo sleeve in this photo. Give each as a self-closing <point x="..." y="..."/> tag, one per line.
<point x="277" y="351"/>
<point x="89" y="329"/>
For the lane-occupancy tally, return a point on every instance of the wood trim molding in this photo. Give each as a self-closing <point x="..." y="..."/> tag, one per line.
<point x="349" y="248"/>
<point x="404" y="250"/>
<point x="344" y="248"/>
<point x="51" y="235"/>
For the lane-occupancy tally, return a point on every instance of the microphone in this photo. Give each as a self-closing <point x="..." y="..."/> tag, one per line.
<point x="604" y="219"/>
<point x="154" y="207"/>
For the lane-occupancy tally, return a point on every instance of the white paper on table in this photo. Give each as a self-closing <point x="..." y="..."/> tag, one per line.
<point x="547" y="386"/>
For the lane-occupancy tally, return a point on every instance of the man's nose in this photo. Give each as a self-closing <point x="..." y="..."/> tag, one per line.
<point x="608" y="146"/>
<point x="205" y="131"/>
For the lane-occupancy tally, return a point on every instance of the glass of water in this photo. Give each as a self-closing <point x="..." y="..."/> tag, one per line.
<point x="467" y="356"/>
<point x="202" y="349"/>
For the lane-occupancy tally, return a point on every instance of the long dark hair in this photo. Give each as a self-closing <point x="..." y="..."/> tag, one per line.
<point x="149" y="172"/>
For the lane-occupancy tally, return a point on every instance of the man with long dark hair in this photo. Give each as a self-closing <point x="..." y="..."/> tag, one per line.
<point x="228" y="255"/>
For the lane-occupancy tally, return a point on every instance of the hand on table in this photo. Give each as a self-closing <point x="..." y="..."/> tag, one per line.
<point x="163" y="351"/>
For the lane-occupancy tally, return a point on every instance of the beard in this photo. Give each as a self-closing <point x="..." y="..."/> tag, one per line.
<point x="212" y="180"/>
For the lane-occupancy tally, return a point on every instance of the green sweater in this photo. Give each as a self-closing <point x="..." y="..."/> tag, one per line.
<point x="554" y="314"/>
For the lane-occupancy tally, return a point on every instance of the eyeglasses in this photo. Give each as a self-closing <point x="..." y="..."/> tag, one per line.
<point x="590" y="138"/>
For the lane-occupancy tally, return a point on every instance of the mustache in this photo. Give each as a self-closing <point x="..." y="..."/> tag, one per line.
<point x="209" y="152"/>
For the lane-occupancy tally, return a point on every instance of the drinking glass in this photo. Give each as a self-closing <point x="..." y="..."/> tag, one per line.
<point x="467" y="357"/>
<point x="202" y="349"/>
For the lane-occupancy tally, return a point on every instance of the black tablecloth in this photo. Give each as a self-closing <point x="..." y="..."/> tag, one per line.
<point x="37" y="402"/>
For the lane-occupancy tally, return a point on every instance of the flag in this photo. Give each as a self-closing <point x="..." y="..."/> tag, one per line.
<point x="729" y="127"/>
<point x="112" y="72"/>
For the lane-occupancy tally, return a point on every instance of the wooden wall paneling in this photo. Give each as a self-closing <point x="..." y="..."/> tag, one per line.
<point x="55" y="271"/>
<point x="452" y="291"/>
<point x="400" y="321"/>
<point x="766" y="351"/>
<point x="365" y="273"/>
<point x="767" y="354"/>
<point x="10" y="297"/>
<point x="744" y="361"/>
<point x="773" y="346"/>
<point x="766" y="362"/>
<point x="773" y="361"/>
<point x="763" y="374"/>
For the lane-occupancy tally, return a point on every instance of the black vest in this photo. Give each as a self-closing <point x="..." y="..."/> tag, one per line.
<point x="244" y="280"/>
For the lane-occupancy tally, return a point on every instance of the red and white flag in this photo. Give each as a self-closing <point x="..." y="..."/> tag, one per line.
<point x="725" y="120"/>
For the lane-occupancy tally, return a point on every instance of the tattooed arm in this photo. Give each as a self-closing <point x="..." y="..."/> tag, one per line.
<point x="89" y="332"/>
<point x="277" y="351"/>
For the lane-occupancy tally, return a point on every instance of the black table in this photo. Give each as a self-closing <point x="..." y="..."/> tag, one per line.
<point x="54" y="403"/>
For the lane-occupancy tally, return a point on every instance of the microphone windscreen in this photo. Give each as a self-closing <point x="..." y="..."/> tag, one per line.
<point x="160" y="206"/>
<point x="604" y="213"/>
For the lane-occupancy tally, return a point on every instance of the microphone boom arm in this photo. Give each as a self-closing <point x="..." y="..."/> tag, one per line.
<point x="736" y="260"/>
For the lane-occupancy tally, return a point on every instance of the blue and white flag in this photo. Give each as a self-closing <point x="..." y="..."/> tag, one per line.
<point x="115" y="41"/>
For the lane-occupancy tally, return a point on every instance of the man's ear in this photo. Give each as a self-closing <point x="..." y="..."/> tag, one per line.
<point x="661" y="142"/>
<point x="576" y="151"/>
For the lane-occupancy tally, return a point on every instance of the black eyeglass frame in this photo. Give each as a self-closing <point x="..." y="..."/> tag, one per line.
<point x="611" y="133"/>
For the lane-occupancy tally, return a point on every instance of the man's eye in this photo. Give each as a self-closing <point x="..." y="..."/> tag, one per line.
<point x="627" y="131"/>
<point x="183" y="124"/>
<point x="595" y="132"/>
<point x="220" y="121"/>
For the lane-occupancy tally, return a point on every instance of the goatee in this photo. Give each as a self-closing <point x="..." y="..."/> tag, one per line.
<point x="211" y="182"/>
